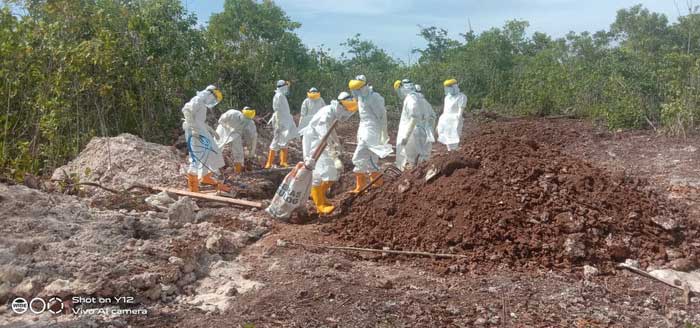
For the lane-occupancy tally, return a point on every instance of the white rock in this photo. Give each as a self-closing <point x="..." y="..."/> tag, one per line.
<point x="589" y="271"/>
<point x="160" y="199"/>
<point x="27" y="288"/>
<point x="58" y="287"/>
<point x="176" y="261"/>
<point x="632" y="263"/>
<point x="145" y="280"/>
<point x="181" y="212"/>
<point x="574" y="247"/>
<point x="216" y="243"/>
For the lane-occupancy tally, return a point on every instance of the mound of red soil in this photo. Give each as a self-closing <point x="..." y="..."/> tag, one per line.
<point x="512" y="201"/>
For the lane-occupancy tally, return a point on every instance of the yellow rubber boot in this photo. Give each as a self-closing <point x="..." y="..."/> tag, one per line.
<point x="319" y="199"/>
<point x="375" y="176"/>
<point x="325" y="186"/>
<point x="270" y="158"/>
<point x="283" y="158"/>
<point x="237" y="167"/>
<point x="208" y="180"/>
<point x="193" y="182"/>
<point x="360" y="181"/>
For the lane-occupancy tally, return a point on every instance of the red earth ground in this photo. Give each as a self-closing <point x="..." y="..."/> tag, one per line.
<point x="611" y="174"/>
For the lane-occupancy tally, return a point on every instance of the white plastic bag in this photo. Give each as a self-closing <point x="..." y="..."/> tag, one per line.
<point x="292" y="192"/>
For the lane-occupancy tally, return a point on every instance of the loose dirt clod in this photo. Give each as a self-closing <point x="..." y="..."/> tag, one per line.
<point x="505" y="200"/>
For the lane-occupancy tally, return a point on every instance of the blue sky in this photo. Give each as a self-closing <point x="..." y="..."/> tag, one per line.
<point x="393" y="25"/>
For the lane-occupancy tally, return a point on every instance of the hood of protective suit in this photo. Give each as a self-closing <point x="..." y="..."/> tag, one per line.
<point x="405" y="89"/>
<point x="452" y="90"/>
<point x="361" y="92"/>
<point x="283" y="90"/>
<point x="207" y="98"/>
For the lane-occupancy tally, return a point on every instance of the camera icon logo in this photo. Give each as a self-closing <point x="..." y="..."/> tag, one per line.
<point x="55" y="305"/>
<point x="20" y="305"/>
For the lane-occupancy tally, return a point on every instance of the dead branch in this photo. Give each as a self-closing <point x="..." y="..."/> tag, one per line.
<point x="389" y="251"/>
<point x="647" y="275"/>
<point x="221" y="199"/>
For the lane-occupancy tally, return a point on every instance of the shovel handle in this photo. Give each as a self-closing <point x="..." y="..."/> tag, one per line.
<point x="324" y="141"/>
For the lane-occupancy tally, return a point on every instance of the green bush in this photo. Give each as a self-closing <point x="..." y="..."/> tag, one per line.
<point x="72" y="70"/>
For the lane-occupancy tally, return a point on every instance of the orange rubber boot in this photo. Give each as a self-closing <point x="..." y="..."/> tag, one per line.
<point x="270" y="158"/>
<point x="361" y="182"/>
<point x="208" y="180"/>
<point x="375" y="176"/>
<point x="283" y="158"/>
<point x="193" y="182"/>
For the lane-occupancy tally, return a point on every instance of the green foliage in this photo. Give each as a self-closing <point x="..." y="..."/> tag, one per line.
<point x="71" y="70"/>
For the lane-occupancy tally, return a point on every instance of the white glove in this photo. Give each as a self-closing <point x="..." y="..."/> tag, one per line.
<point x="384" y="138"/>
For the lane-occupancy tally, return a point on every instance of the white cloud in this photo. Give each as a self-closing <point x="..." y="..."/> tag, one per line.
<point x="355" y="7"/>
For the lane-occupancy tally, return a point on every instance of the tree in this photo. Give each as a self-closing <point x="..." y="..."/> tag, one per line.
<point x="438" y="44"/>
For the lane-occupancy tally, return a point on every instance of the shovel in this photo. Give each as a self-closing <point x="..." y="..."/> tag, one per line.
<point x="294" y="189"/>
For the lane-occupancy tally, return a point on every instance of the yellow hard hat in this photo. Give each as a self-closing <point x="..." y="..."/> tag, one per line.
<point x="397" y="84"/>
<point x="449" y="82"/>
<point x="248" y="112"/>
<point x="356" y="84"/>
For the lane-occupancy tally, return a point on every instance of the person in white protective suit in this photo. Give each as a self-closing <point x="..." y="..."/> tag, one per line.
<point x="310" y="106"/>
<point x="372" y="133"/>
<point x="449" y="127"/>
<point x="415" y="137"/>
<point x="205" y="155"/>
<point x="237" y="128"/>
<point x="283" y="124"/>
<point x="325" y="172"/>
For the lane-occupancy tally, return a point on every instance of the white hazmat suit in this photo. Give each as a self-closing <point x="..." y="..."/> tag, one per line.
<point x="325" y="172"/>
<point x="415" y="137"/>
<point x="449" y="127"/>
<point x="205" y="155"/>
<point x="325" y="169"/>
<point x="310" y="107"/>
<point x="285" y="129"/>
<point x="283" y="124"/>
<point x="238" y="131"/>
<point x="372" y="133"/>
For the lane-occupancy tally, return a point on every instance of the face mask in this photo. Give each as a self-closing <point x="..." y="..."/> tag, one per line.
<point x="401" y="93"/>
<point x="362" y="92"/>
<point x="208" y="99"/>
<point x="345" y="113"/>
